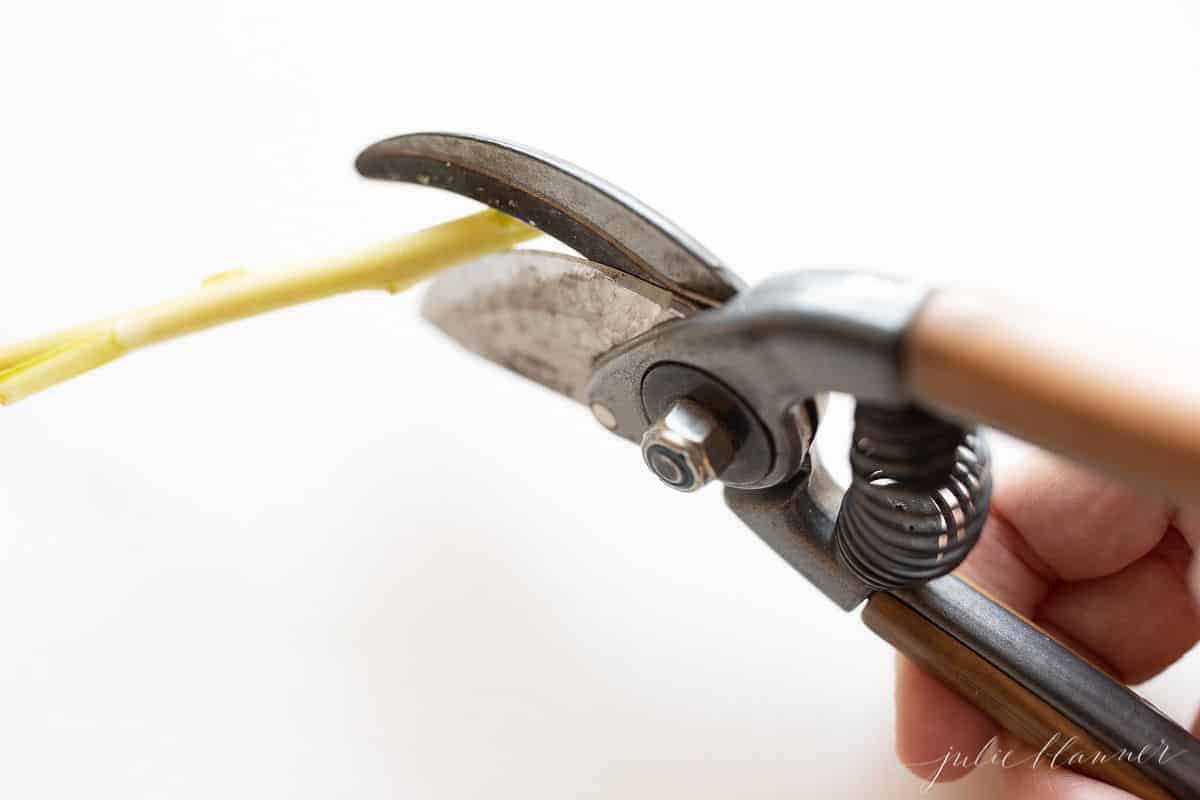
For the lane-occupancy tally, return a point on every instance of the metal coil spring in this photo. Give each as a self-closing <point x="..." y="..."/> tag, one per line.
<point x="918" y="500"/>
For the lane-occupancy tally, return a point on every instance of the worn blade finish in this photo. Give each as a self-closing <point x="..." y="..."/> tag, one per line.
<point x="546" y="316"/>
<point x="599" y="221"/>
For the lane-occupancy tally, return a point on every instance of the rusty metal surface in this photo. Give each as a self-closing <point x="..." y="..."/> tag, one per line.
<point x="589" y="215"/>
<point x="546" y="316"/>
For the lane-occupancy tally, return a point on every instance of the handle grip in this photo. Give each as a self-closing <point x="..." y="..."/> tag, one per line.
<point x="1038" y="689"/>
<point x="1004" y="366"/>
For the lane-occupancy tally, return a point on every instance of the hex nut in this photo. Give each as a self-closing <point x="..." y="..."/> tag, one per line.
<point x="688" y="447"/>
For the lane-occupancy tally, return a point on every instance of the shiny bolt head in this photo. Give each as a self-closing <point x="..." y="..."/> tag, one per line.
<point x="687" y="448"/>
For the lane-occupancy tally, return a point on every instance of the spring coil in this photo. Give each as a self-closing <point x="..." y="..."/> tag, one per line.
<point x="918" y="499"/>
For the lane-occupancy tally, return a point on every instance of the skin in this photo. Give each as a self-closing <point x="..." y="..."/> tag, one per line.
<point x="1102" y="566"/>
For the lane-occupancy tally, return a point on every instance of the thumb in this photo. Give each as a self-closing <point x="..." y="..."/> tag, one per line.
<point x="1186" y="520"/>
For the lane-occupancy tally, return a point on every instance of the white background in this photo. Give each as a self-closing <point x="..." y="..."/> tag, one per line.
<point x="326" y="553"/>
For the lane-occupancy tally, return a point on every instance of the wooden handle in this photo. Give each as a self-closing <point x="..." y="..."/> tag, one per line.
<point x="1050" y="384"/>
<point x="1041" y="692"/>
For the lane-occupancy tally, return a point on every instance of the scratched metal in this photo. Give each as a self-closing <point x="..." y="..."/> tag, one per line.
<point x="546" y="316"/>
<point x="592" y="217"/>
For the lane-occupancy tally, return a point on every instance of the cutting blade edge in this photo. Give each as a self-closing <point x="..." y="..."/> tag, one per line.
<point x="546" y="316"/>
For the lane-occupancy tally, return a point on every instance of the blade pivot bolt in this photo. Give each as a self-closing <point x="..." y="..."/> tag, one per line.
<point x="687" y="448"/>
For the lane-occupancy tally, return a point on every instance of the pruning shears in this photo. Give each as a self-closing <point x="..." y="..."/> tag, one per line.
<point x="718" y="381"/>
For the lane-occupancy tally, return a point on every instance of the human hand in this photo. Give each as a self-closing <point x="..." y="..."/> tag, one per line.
<point x="1102" y="567"/>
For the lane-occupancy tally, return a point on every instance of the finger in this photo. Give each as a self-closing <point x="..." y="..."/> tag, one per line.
<point x="1079" y="523"/>
<point x="1136" y="622"/>
<point x="1034" y="776"/>
<point x="1028" y="783"/>
<point x="938" y="734"/>
<point x="1055" y="520"/>
<point x="1097" y="563"/>
<point x="1187" y="522"/>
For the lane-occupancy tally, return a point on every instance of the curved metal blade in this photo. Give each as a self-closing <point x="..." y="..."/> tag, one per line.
<point x="599" y="221"/>
<point x="546" y="316"/>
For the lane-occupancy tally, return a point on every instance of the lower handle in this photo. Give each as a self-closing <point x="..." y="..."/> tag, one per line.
<point x="1038" y="689"/>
